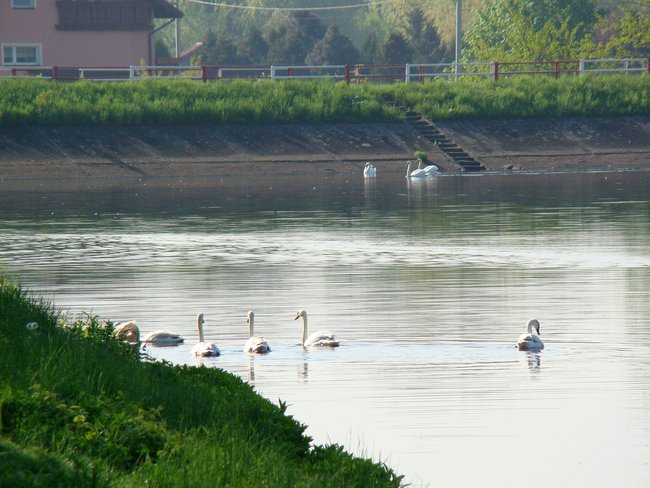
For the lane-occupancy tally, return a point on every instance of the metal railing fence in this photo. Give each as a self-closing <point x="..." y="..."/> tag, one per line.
<point x="359" y="73"/>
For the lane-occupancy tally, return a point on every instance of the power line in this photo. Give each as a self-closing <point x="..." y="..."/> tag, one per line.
<point x="292" y="9"/>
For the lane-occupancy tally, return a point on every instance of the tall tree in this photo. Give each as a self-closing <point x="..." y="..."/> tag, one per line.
<point x="290" y="41"/>
<point x="396" y="50"/>
<point x="217" y="50"/>
<point x="370" y="51"/>
<point x="426" y="42"/>
<point x="253" y="48"/>
<point x="333" y="48"/>
<point x="521" y="30"/>
<point x="625" y="33"/>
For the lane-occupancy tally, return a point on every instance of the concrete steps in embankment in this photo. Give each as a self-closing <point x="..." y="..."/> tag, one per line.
<point x="442" y="141"/>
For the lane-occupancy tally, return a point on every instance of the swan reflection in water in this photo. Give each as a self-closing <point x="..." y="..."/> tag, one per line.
<point x="251" y="370"/>
<point x="303" y="373"/>
<point x="418" y="189"/>
<point x="369" y="189"/>
<point x="532" y="360"/>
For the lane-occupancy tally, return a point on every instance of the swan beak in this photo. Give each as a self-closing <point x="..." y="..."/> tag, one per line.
<point x="297" y="317"/>
<point x="537" y="328"/>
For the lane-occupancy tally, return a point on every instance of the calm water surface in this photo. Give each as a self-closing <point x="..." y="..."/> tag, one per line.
<point x="426" y="284"/>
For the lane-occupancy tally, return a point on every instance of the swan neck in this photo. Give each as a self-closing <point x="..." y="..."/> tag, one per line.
<point x="200" y="326"/>
<point x="304" y="328"/>
<point x="251" y="327"/>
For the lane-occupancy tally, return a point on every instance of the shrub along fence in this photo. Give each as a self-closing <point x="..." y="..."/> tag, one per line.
<point x="359" y="73"/>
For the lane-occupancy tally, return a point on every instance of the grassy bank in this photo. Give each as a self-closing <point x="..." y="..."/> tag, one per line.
<point x="39" y="102"/>
<point x="78" y="408"/>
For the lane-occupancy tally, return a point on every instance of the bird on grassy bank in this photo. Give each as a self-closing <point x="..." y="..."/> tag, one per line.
<point x="430" y="169"/>
<point x="369" y="170"/>
<point x="204" y="349"/>
<point x="416" y="173"/>
<point x="255" y="344"/>
<point x="128" y="332"/>
<point x="322" y="338"/>
<point x="530" y="340"/>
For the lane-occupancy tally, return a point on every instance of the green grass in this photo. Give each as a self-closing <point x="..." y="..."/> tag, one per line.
<point x="79" y="408"/>
<point x="40" y="102"/>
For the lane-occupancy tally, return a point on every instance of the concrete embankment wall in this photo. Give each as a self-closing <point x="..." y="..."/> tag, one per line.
<point x="563" y="144"/>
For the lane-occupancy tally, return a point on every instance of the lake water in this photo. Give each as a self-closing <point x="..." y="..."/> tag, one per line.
<point x="427" y="285"/>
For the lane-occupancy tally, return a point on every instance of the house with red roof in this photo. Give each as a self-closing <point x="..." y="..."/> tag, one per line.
<point x="86" y="33"/>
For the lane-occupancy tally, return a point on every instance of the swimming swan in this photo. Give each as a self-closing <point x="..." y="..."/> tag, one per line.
<point x="530" y="340"/>
<point x="430" y="170"/>
<point x="127" y="332"/>
<point x="322" y="338"/>
<point x="255" y="344"/>
<point x="204" y="349"/>
<point x="163" y="338"/>
<point x="416" y="173"/>
<point x="369" y="171"/>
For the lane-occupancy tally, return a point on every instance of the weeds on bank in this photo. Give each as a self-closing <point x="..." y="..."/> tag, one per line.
<point x="40" y="102"/>
<point x="79" y="408"/>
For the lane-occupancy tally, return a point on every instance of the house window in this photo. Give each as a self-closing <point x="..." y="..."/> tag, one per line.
<point x="23" y="3"/>
<point x="21" y="54"/>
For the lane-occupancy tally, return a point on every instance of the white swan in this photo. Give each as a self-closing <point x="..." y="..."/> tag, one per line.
<point x="369" y="171"/>
<point x="255" y="344"/>
<point x="430" y="169"/>
<point x="127" y="331"/>
<point x="163" y="338"/>
<point x="204" y="349"/>
<point x="322" y="338"/>
<point x="416" y="173"/>
<point x="530" y="340"/>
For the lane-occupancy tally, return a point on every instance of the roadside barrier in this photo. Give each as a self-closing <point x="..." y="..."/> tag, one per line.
<point x="358" y="73"/>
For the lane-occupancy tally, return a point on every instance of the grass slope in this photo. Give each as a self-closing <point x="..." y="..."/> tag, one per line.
<point x="79" y="408"/>
<point x="40" y="102"/>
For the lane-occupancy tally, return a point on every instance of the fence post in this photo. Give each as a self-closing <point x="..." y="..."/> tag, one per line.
<point x="131" y="73"/>
<point x="347" y="74"/>
<point x="648" y="65"/>
<point x="272" y="73"/>
<point x="557" y="69"/>
<point x="289" y="72"/>
<point x="421" y="72"/>
<point x="495" y="71"/>
<point x="204" y="76"/>
<point x="407" y="72"/>
<point x="581" y="69"/>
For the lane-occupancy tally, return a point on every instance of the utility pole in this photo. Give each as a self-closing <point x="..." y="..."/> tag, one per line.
<point x="459" y="35"/>
<point x="177" y="34"/>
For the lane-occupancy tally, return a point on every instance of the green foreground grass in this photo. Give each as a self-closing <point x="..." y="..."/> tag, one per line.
<point x="40" y="102"/>
<point x="79" y="408"/>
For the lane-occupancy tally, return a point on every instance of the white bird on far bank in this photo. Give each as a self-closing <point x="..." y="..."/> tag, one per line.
<point x="369" y="171"/>
<point x="416" y="173"/>
<point x="430" y="170"/>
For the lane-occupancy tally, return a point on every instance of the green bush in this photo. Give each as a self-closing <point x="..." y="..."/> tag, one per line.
<point x="79" y="408"/>
<point x="159" y="101"/>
